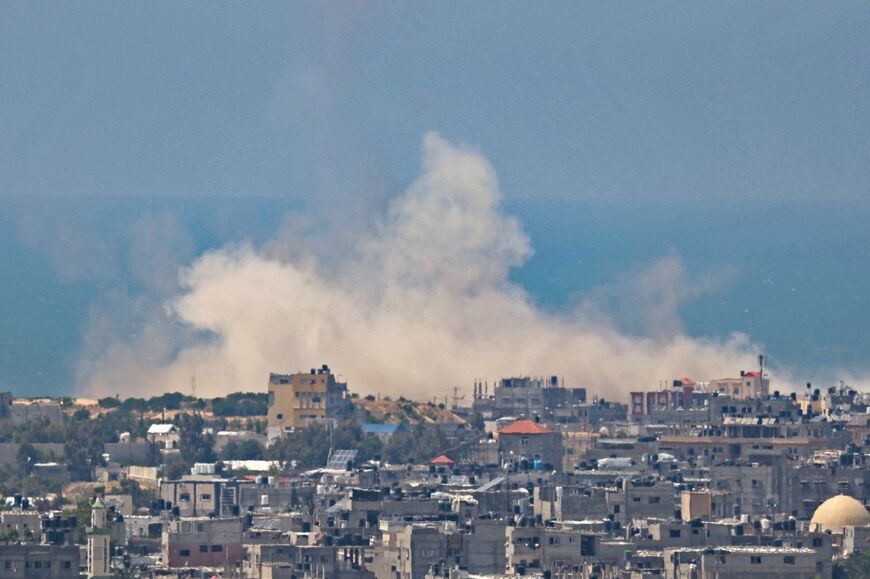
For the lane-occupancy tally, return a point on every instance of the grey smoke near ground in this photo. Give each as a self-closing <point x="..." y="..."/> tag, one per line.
<point x="424" y="303"/>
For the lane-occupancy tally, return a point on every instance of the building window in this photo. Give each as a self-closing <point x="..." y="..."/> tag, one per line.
<point x="66" y="564"/>
<point x="788" y="560"/>
<point x="184" y="552"/>
<point x="8" y="564"/>
<point x="524" y="441"/>
<point x="279" y="416"/>
<point x="755" y="560"/>
<point x="203" y="548"/>
<point x="655" y="500"/>
<point x="205" y="497"/>
<point x="184" y="497"/>
<point x="217" y="548"/>
<point x="675" y="533"/>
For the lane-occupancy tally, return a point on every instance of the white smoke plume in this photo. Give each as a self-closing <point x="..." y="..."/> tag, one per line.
<point x="423" y="304"/>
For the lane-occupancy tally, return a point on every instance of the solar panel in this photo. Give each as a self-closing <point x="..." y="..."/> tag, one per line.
<point x="339" y="459"/>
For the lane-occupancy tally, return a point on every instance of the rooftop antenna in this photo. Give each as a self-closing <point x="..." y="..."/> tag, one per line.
<point x="760" y="374"/>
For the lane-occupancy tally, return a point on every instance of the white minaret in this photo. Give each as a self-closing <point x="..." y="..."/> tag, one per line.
<point x="98" y="542"/>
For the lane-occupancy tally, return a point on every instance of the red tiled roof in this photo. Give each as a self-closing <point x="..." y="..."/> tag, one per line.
<point x="525" y="427"/>
<point x="752" y="374"/>
<point x="442" y="459"/>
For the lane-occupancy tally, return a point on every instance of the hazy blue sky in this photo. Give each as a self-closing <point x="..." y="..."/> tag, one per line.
<point x="733" y="135"/>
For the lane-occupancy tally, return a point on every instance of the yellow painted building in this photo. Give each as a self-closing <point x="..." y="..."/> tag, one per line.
<point x="297" y="400"/>
<point x="748" y="385"/>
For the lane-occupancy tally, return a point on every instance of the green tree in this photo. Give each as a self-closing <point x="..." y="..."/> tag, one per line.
<point x="109" y="402"/>
<point x="855" y="566"/>
<point x="310" y="445"/>
<point x="175" y="470"/>
<point x="245" y="450"/>
<point x="82" y="512"/>
<point x="416" y="445"/>
<point x="81" y="414"/>
<point x="83" y="448"/>
<point x="140" y="496"/>
<point x="196" y="446"/>
<point x="28" y="455"/>
<point x="241" y="404"/>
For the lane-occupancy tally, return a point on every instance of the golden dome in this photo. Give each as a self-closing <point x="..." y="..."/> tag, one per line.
<point x="838" y="512"/>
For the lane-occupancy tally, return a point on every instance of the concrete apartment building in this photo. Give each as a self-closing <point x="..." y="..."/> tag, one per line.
<point x="747" y="385"/>
<point x="538" y="547"/>
<point x="526" y="396"/>
<point x="483" y="550"/>
<point x="297" y="400"/>
<point x="39" y="560"/>
<point x="694" y="483"/>
<point x="408" y="550"/>
<point x="642" y="499"/>
<point x="201" y="497"/>
<point x="529" y="443"/>
<point x="203" y="542"/>
<point x="721" y="562"/>
<point x="25" y="523"/>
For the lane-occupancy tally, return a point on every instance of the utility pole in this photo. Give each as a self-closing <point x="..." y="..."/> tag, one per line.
<point x="331" y="425"/>
<point x="456" y="397"/>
